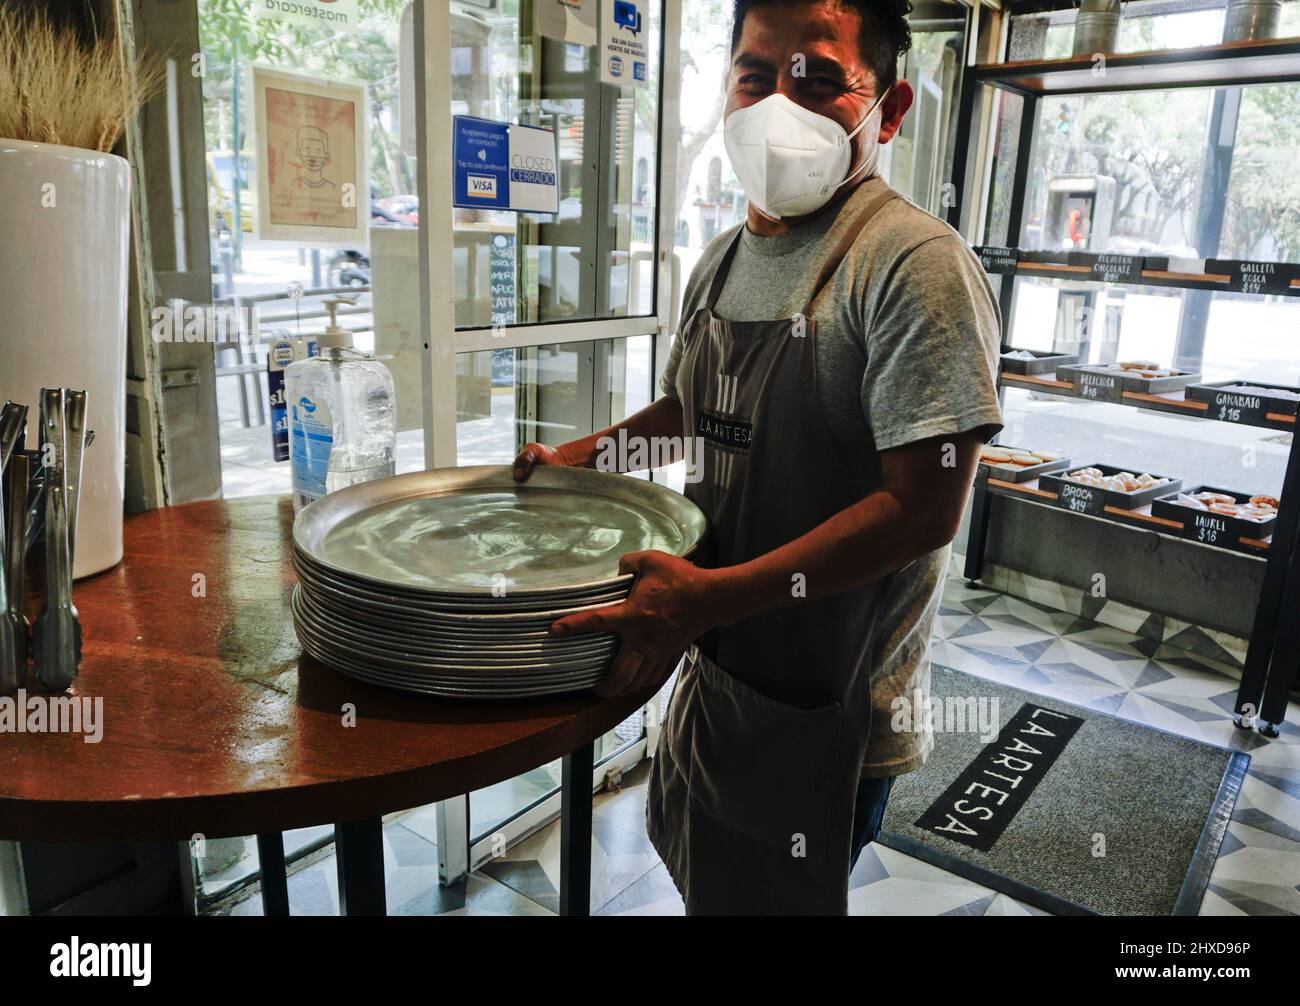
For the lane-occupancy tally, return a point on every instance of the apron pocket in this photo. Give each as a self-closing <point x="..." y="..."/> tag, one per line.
<point x="775" y="772"/>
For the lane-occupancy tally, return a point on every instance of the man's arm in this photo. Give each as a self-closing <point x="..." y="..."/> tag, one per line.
<point x="660" y="421"/>
<point x="916" y="511"/>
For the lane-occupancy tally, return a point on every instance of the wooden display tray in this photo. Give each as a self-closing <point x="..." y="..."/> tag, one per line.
<point x="1094" y="499"/>
<point x="1212" y="528"/>
<point x="1138" y="517"/>
<point x="1223" y="402"/>
<point x="1044" y="362"/>
<point x="1125" y="380"/>
<point x="1174" y="403"/>
<point x="1025" y="474"/>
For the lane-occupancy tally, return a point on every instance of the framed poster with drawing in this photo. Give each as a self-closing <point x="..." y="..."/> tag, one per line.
<point x="313" y="182"/>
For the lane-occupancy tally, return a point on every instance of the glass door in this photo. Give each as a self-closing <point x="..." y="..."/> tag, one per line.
<point x="541" y="327"/>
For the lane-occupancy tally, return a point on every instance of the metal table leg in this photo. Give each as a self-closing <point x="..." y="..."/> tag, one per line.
<point x="1283" y="663"/>
<point x="575" y="831"/>
<point x="978" y="535"/>
<point x="275" y="879"/>
<point x="1264" y="633"/>
<point x="359" y="851"/>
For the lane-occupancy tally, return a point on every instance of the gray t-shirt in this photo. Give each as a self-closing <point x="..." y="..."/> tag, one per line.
<point x="908" y="333"/>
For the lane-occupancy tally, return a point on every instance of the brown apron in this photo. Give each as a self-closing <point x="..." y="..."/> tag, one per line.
<point x="751" y="797"/>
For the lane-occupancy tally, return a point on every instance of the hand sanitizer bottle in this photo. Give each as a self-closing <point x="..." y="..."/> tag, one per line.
<point x="342" y="416"/>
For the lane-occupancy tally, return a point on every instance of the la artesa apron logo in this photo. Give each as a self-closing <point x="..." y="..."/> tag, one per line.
<point x="333" y="13"/>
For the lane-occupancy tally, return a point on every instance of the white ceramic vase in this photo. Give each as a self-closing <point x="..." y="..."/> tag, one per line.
<point x="64" y="219"/>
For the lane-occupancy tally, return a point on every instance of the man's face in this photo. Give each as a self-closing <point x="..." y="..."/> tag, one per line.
<point x="313" y="153"/>
<point x="810" y="52"/>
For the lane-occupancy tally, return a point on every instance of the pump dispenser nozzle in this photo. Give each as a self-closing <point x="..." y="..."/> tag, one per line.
<point x="335" y="337"/>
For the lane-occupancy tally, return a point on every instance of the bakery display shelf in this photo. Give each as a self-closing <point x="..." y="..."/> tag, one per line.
<point x="1175" y="402"/>
<point x="1221" y="65"/>
<point x="1147" y="272"/>
<point x="1139" y="517"/>
<point x="1274" y="651"/>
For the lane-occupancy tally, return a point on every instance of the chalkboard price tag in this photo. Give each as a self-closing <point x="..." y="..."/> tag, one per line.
<point x="1234" y="407"/>
<point x="1081" y="499"/>
<point x="1000" y="261"/>
<point x="1107" y="268"/>
<point x="1209" y="529"/>
<point x="1253" y="277"/>
<point x="1098" y="387"/>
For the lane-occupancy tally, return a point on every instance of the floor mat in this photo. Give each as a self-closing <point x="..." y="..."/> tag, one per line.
<point x="1062" y="807"/>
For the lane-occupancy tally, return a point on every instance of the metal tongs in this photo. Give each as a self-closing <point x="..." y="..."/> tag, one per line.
<point x="56" y="637"/>
<point x="13" y="540"/>
<point x="43" y="490"/>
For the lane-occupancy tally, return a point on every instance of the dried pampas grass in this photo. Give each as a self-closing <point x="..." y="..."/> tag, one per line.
<point x="57" y="88"/>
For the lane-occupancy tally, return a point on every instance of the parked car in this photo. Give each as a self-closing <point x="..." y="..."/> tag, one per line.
<point x="380" y="217"/>
<point x="405" y="208"/>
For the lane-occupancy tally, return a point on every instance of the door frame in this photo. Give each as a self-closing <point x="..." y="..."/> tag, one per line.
<point x="443" y="342"/>
<point x="435" y="185"/>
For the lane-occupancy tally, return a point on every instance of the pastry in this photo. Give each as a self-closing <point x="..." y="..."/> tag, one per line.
<point x="1124" y="482"/>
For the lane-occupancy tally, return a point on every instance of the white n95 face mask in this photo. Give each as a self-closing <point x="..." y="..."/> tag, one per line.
<point x="791" y="160"/>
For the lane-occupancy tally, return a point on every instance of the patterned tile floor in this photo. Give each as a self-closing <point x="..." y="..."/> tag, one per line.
<point x="999" y="637"/>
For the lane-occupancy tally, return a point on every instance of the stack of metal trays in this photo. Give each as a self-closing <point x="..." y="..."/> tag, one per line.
<point x="446" y="582"/>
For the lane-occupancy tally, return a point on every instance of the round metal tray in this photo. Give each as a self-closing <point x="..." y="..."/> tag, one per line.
<point x="499" y="645"/>
<point x="406" y="650"/>
<point x="446" y="688"/>
<point x="461" y="531"/>
<point x="363" y="594"/>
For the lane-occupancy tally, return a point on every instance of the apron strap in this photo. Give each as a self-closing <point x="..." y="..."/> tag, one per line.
<point x="830" y="267"/>
<point x="833" y="261"/>
<point x="724" y="268"/>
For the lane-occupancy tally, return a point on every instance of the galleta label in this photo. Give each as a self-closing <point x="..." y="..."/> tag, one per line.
<point x="1253" y="277"/>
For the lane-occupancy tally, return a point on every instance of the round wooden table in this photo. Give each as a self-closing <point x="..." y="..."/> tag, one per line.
<point x="215" y="723"/>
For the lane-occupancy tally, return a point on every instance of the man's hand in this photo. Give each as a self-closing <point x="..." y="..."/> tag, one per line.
<point x="671" y="605"/>
<point x="534" y="455"/>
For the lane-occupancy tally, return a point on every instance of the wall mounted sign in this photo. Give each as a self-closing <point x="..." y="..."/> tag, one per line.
<point x="572" y="21"/>
<point x="499" y="166"/>
<point x="313" y="185"/>
<point x="624" y="43"/>
<point x="338" y="15"/>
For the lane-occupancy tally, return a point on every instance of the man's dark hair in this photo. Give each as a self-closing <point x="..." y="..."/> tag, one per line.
<point x="885" y="35"/>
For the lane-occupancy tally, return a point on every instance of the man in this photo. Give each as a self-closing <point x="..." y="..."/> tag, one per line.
<point x="313" y="154"/>
<point x="837" y="361"/>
